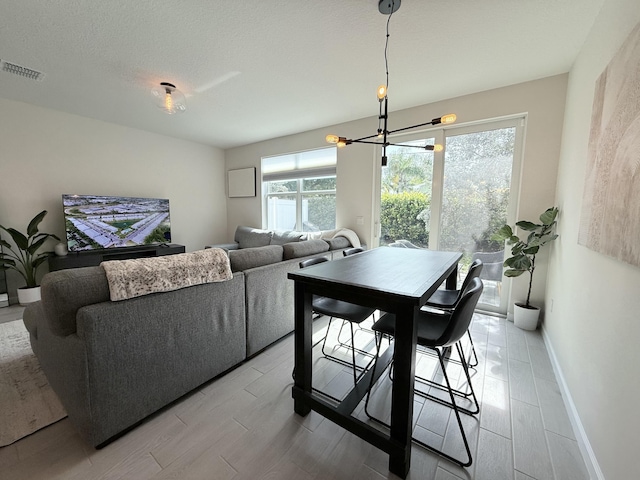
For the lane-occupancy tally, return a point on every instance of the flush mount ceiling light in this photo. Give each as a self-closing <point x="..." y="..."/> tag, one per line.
<point x="388" y="7"/>
<point x="169" y="99"/>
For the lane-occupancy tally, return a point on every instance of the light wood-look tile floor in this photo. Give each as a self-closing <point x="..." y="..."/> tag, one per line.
<point x="11" y="313"/>
<point x="242" y="426"/>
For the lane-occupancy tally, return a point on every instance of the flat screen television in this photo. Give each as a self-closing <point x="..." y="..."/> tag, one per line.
<point x="94" y="222"/>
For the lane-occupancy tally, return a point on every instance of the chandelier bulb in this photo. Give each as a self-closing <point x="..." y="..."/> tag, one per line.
<point x="382" y="92"/>
<point x="449" y="118"/>
<point x="332" y="138"/>
<point x="438" y="148"/>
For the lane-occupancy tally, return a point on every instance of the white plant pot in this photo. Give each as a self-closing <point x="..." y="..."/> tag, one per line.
<point x="525" y="318"/>
<point x="28" y="295"/>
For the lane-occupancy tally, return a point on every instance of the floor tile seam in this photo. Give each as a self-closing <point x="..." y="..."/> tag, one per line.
<point x="556" y="384"/>
<point x="546" y="442"/>
<point x="510" y="440"/>
<point x="525" y="473"/>
<point x="546" y="430"/>
<point x="250" y="393"/>
<point x="229" y="464"/>
<point x="447" y="471"/>
<point x="247" y="429"/>
<point x="511" y="397"/>
<point x="480" y="416"/>
<point x="540" y="377"/>
<point x="330" y="446"/>
<point x="181" y="420"/>
<point x="156" y="460"/>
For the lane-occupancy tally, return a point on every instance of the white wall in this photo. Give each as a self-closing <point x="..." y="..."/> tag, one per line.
<point x="45" y="153"/>
<point x="542" y="100"/>
<point x="594" y="327"/>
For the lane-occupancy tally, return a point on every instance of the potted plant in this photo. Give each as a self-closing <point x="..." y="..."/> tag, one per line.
<point x="523" y="259"/>
<point x="23" y="257"/>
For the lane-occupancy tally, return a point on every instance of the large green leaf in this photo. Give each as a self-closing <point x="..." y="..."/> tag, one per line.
<point x="546" y="239"/>
<point x="33" y="248"/>
<point x="513" y="273"/>
<point x="32" y="229"/>
<point x="38" y="261"/>
<point x="7" y="263"/>
<point x="548" y="217"/>
<point x="521" y="262"/>
<point x="528" y="226"/>
<point x="505" y="233"/>
<point x="517" y="248"/>
<point x="18" y="238"/>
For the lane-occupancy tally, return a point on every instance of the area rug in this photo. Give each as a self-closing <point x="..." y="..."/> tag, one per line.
<point x="27" y="402"/>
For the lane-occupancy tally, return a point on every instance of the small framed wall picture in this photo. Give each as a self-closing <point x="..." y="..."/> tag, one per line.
<point x="242" y="182"/>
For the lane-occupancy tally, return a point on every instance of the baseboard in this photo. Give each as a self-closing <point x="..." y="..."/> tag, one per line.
<point x="590" y="460"/>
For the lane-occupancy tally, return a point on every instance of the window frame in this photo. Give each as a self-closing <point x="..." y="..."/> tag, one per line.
<point x="299" y="175"/>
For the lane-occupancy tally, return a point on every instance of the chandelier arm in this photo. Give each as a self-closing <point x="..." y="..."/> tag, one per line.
<point x="432" y="122"/>
<point x="424" y="147"/>
<point x="369" y="142"/>
<point x="360" y="140"/>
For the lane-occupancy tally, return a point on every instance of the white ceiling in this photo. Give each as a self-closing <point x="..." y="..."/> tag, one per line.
<point x="259" y="69"/>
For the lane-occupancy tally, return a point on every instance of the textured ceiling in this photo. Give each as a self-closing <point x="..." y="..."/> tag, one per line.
<point x="259" y="69"/>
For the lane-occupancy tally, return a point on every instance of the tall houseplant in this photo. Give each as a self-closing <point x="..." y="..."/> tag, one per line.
<point x="524" y="251"/>
<point x="23" y="257"/>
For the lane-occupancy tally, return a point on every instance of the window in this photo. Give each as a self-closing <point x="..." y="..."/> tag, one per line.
<point x="300" y="190"/>
<point x="457" y="199"/>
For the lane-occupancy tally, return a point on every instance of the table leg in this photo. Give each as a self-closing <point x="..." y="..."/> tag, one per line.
<point x="404" y="358"/>
<point x="302" y="345"/>
<point x="452" y="280"/>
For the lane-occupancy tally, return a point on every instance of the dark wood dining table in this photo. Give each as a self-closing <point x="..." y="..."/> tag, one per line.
<point x="395" y="280"/>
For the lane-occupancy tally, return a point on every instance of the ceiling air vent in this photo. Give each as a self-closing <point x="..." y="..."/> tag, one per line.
<point x="20" y="70"/>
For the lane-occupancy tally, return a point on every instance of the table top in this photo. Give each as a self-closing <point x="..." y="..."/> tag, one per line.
<point x="406" y="274"/>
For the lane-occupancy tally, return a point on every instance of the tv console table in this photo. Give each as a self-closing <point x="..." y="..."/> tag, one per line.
<point x="93" y="258"/>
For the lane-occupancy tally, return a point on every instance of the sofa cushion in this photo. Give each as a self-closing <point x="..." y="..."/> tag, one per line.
<point x="304" y="249"/>
<point x="248" y="237"/>
<point x="246" y="258"/>
<point x="280" y="237"/>
<point x="338" y="242"/>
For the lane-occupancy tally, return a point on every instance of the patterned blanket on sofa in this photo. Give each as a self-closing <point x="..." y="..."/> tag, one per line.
<point x="142" y="276"/>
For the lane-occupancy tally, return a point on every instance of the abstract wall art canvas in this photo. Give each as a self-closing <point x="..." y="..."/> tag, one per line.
<point x="610" y="222"/>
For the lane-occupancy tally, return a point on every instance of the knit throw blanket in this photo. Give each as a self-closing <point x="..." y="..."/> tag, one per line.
<point x="142" y="276"/>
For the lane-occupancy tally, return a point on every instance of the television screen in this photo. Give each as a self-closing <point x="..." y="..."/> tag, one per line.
<point x="96" y="222"/>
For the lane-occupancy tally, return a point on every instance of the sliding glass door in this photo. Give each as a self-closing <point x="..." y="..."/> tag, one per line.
<point x="457" y="199"/>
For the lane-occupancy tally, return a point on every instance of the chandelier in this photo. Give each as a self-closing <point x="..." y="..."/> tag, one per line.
<point x="388" y="7"/>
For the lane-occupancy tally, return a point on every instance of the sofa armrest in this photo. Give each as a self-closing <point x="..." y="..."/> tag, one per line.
<point x="64" y="292"/>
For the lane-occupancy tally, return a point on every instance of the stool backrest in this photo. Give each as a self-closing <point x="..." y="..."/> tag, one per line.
<point x="462" y="314"/>
<point x="312" y="261"/>
<point x="475" y="269"/>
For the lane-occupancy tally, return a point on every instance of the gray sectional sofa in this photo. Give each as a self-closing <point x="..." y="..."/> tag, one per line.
<point x="113" y="363"/>
<point x="249" y="237"/>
